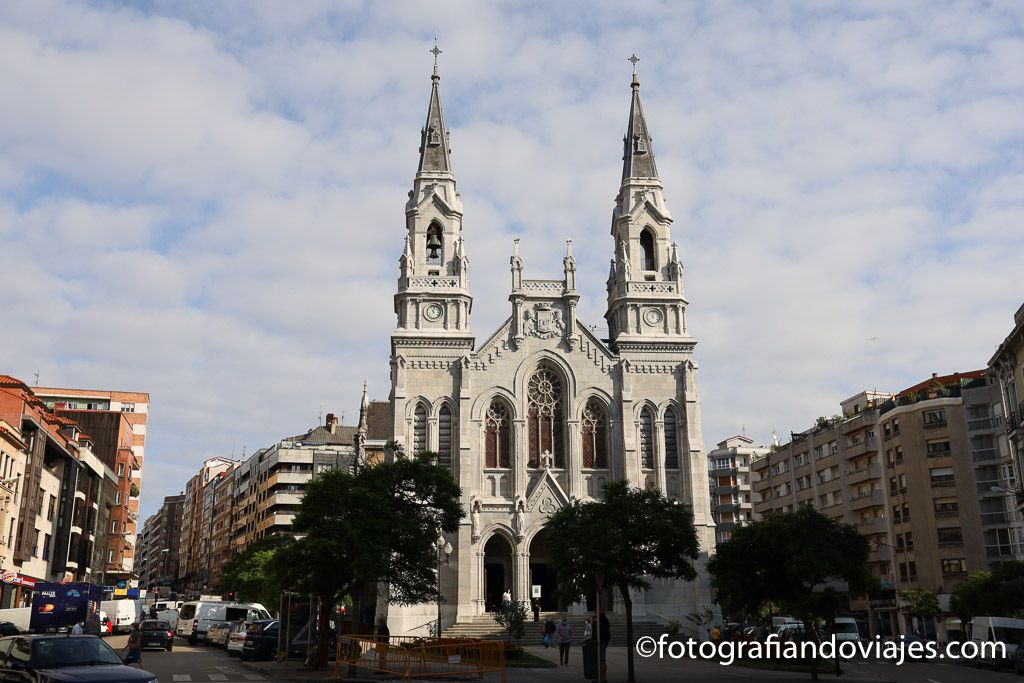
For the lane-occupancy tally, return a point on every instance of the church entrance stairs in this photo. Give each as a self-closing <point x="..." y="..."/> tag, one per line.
<point x="485" y="627"/>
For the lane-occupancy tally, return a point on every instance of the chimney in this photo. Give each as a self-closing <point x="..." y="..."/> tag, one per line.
<point x="332" y="423"/>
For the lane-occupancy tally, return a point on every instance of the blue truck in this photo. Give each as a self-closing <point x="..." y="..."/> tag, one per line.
<point x="59" y="606"/>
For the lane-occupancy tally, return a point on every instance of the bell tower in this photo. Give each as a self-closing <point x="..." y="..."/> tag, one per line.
<point x="433" y="286"/>
<point x="646" y="301"/>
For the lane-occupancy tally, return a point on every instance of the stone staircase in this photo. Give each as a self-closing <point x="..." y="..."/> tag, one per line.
<point x="486" y="628"/>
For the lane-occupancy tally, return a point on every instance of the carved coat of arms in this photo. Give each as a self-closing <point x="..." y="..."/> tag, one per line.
<point x="543" y="321"/>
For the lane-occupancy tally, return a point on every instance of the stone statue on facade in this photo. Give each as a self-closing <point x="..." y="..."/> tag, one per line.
<point x="474" y="520"/>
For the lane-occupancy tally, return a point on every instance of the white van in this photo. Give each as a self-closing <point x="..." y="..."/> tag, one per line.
<point x="846" y="629"/>
<point x="194" y="618"/>
<point x="164" y="605"/>
<point x="122" y="614"/>
<point x="1004" y="630"/>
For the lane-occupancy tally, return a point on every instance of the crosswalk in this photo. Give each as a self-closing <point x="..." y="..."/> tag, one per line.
<point x="226" y="674"/>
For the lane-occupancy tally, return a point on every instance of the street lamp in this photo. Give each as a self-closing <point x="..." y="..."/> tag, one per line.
<point x="444" y="549"/>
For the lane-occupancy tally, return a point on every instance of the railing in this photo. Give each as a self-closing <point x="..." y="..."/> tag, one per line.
<point x="982" y="454"/>
<point x="997" y="517"/>
<point x="1002" y="550"/>
<point x="415" y="658"/>
<point x="983" y="423"/>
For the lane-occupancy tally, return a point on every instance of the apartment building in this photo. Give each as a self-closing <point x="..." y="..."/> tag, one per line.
<point x="221" y="524"/>
<point x="197" y="509"/>
<point x="119" y="419"/>
<point x="59" y="492"/>
<point x="159" y="542"/>
<point x="1007" y="367"/>
<point x="729" y="471"/>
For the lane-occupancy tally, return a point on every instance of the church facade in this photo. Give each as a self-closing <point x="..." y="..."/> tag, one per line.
<point x="543" y="411"/>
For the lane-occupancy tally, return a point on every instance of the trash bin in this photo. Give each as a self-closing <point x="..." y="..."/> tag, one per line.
<point x="590" y="667"/>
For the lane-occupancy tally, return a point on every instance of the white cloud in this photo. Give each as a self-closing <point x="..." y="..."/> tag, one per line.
<point x="206" y="201"/>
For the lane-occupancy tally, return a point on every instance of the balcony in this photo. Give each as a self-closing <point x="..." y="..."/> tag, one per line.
<point x="984" y="454"/>
<point x="872" y="471"/>
<point x="726" y="490"/>
<point x="872" y="526"/>
<point x="995" y="517"/>
<point x="867" y="445"/>
<point x="872" y="499"/>
<point x="981" y="423"/>
<point x="1001" y="550"/>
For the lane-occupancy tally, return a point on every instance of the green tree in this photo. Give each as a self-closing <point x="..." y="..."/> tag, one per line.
<point x="511" y="616"/>
<point x="629" y="535"/>
<point x="802" y="560"/>
<point x="971" y="597"/>
<point x="377" y="525"/>
<point x="921" y="603"/>
<point x="252" y="574"/>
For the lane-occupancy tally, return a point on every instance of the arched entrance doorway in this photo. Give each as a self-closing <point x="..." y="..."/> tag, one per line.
<point x="497" y="570"/>
<point x="543" y="573"/>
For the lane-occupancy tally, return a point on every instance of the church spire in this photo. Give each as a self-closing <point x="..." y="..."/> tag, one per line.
<point x="435" y="156"/>
<point x="637" y="154"/>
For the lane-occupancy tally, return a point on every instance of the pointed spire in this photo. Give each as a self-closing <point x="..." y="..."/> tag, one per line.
<point x="637" y="155"/>
<point x="435" y="157"/>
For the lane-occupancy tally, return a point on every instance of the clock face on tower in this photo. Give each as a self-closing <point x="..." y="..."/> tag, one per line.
<point x="433" y="312"/>
<point x="653" y="316"/>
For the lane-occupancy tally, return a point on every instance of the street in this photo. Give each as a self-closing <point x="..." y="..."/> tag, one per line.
<point x="199" y="663"/>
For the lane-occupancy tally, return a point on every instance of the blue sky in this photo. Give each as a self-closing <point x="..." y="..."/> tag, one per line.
<point x="205" y="200"/>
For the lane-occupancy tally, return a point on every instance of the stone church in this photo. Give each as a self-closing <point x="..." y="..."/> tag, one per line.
<point x="543" y="411"/>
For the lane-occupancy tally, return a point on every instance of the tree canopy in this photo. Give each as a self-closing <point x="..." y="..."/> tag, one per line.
<point x="629" y="535"/>
<point x="252" y="574"/>
<point x="377" y="525"/>
<point x="985" y="593"/>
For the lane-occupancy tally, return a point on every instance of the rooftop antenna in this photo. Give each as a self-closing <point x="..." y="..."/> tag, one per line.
<point x="320" y="415"/>
<point x="36" y="373"/>
<point x="744" y="430"/>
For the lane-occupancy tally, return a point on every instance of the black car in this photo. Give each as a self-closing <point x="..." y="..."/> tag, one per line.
<point x="64" y="658"/>
<point x="157" y="633"/>
<point x="9" y="628"/>
<point x="261" y="640"/>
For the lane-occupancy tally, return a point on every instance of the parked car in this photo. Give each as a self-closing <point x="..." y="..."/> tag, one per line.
<point x="260" y="640"/>
<point x="196" y="617"/>
<point x="60" y="659"/>
<point x="157" y="634"/>
<point x="9" y="628"/>
<point x="236" y="639"/>
<point x="846" y="629"/>
<point x="217" y="634"/>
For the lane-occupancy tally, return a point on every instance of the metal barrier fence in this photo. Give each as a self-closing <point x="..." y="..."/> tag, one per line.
<point x="418" y="658"/>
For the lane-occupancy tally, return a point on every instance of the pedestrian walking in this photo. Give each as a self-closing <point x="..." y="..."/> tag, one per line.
<point x="549" y="633"/>
<point x="134" y="646"/>
<point x="536" y="609"/>
<point x="77" y="629"/>
<point x="588" y="630"/>
<point x="564" y="633"/>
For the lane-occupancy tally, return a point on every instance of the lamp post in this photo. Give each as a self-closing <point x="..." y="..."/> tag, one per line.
<point x="444" y="550"/>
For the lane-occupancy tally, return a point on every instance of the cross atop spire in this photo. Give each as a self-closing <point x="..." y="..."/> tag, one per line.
<point x="436" y="51"/>
<point x="637" y="156"/>
<point x="634" y="59"/>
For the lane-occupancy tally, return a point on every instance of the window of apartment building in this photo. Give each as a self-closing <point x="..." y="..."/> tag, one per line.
<point x="901" y="513"/>
<point x="117" y="498"/>
<point x="899" y="454"/>
<point x="946" y="507"/>
<point x="895" y="426"/>
<point x="954" y="566"/>
<point x="110" y="556"/>
<point x="941" y="476"/>
<point x="46" y="547"/>
<point x="951" y="537"/>
<point x="127" y="407"/>
<point x="723" y="463"/>
<point x="934" y="418"/>
<point x="113" y="526"/>
<point x="908" y="571"/>
<point x="120" y="470"/>
<point x="819" y="452"/>
<point x="51" y="503"/>
<point x="800" y="459"/>
<point x="905" y="541"/>
<point x="35" y="547"/>
<point x="10" y="533"/>
<point x="803" y="482"/>
<point x="833" y="447"/>
<point x="938" y="448"/>
<point x="889" y="460"/>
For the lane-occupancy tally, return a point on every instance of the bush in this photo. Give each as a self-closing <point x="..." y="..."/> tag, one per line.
<point x="512" y="616"/>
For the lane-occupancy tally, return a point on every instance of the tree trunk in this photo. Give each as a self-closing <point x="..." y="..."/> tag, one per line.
<point x="323" y="627"/>
<point x="627" y="602"/>
<point x="809" y="631"/>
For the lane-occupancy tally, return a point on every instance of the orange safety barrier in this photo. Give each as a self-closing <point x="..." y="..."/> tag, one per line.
<point x="418" y="658"/>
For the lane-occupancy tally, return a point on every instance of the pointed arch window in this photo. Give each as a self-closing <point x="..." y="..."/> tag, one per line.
<point x="544" y="399"/>
<point x="671" y="440"/>
<point x="497" y="443"/>
<point x="647" y="439"/>
<point x="647" y="249"/>
<point x="419" y="429"/>
<point x="435" y="244"/>
<point x="594" y="427"/>
<point x="445" y="443"/>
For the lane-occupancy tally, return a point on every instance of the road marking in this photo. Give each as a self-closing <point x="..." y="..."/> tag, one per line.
<point x="218" y="677"/>
<point x="253" y="677"/>
<point x="181" y="677"/>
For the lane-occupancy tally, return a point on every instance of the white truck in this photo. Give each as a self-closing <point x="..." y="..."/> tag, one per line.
<point x="122" y="614"/>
